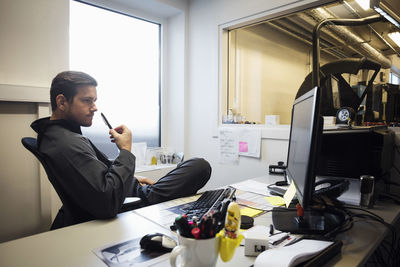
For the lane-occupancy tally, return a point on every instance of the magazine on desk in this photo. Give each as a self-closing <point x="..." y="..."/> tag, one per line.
<point x="129" y="253"/>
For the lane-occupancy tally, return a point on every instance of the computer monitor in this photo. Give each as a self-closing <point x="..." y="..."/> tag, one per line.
<point x="305" y="136"/>
<point x="304" y="133"/>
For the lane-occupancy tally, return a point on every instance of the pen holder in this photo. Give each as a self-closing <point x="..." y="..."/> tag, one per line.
<point x="195" y="252"/>
<point x="228" y="245"/>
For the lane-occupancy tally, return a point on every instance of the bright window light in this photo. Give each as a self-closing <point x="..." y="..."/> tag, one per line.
<point x="123" y="54"/>
<point x="364" y="4"/>
<point x="395" y="36"/>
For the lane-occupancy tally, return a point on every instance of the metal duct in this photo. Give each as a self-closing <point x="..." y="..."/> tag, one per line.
<point x="350" y="38"/>
<point x="305" y="39"/>
<point x="329" y="41"/>
<point x="326" y="32"/>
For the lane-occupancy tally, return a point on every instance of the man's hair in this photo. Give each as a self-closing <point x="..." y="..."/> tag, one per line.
<point x="67" y="83"/>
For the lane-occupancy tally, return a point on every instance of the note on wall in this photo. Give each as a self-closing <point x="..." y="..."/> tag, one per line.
<point x="228" y="146"/>
<point x="250" y="143"/>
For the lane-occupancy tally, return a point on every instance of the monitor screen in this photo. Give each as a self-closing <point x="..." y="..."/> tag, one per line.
<point x="304" y="130"/>
<point x="305" y="136"/>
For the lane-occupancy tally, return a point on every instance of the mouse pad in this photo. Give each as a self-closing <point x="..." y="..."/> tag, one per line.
<point x="128" y="253"/>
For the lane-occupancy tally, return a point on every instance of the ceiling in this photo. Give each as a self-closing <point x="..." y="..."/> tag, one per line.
<point x="342" y="41"/>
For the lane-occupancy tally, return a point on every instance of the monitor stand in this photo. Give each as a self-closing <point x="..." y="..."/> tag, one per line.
<point x="312" y="222"/>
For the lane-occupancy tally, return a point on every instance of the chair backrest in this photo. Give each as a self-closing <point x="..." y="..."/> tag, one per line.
<point x="30" y="143"/>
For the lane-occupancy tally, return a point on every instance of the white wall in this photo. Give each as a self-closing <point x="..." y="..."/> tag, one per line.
<point x="34" y="44"/>
<point x="34" y="47"/>
<point x="173" y="115"/>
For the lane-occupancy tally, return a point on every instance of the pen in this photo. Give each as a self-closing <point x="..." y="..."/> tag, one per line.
<point x="206" y="227"/>
<point x="278" y="238"/>
<point x="105" y="120"/>
<point x="182" y="225"/>
<point x="196" y="232"/>
<point x="294" y="240"/>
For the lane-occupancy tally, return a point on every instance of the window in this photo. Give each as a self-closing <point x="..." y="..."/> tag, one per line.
<point x="123" y="54"/>
<point x="265" y="61"/>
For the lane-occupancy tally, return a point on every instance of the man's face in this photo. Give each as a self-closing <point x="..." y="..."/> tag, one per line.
<point x="82" y="108"/>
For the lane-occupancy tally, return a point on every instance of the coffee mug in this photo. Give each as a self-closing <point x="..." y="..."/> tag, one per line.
<point x="195" y="252"/>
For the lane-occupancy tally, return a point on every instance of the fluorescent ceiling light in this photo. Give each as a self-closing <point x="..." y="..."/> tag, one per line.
<point x="363" y="3"/>
<point x="386" y="16"/>
<point x="395" y="36"/>
<point x="388" y="10"/>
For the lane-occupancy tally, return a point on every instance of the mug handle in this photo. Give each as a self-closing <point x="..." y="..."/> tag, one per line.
<point x="174" y="254"/>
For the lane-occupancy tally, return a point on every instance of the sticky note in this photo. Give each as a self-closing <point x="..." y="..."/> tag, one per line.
<point x="289" y="195"/>
<point x="250" y="212"/>
<point x="276" y="200"/>
<point x="243" y="147"/>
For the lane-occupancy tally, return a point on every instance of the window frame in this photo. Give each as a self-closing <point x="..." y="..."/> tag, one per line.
<point x="280" y="132"/>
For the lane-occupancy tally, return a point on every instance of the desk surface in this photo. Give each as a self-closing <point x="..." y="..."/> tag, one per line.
<point x="74" y="245"/>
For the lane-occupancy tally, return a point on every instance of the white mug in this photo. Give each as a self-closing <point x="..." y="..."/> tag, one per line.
<point x="195" y="252"/>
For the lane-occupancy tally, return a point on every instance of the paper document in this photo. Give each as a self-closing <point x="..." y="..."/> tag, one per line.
<point x="289" y="194"/>
<point x="251" y="186"/>
<point x="228" y="146"/>
<point x="252" y="200"/>
<point x="291" y="255"/>
<point x="250" y="143"/>
<point x="276" y="200"/>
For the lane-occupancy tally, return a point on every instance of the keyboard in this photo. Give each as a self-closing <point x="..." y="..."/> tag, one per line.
<point x="208" y="201"/>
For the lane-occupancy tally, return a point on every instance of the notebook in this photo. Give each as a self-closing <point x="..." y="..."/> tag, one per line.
<point x="298" y="253"/>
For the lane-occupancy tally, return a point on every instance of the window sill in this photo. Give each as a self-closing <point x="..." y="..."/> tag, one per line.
<point x="280" y="132"/>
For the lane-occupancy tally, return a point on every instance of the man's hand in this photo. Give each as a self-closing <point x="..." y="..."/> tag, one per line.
<point x="144" y="180"/>
<point x="122" y="137"/>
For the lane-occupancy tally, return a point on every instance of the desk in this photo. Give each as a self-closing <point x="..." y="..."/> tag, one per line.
<point x="154" y="172"/>
<point x="74" y="245"/>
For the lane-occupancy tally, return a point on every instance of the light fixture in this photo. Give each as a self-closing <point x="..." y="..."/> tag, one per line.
<point x="364" y="4"/>
<point x="395" y="36"/>
<point x="388" y="10"/>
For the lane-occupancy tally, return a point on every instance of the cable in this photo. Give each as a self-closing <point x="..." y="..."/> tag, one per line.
<point x="387" y="253"/>
<point x="392" y="252"/>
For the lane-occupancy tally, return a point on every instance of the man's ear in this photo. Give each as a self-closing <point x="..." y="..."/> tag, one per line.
<point x="61" y="101"/>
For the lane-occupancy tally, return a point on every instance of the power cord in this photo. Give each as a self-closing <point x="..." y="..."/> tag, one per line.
<point x="390" y="247"/>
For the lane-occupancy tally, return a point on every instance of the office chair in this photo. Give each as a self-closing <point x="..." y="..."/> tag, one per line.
<point x="30" y="144"/>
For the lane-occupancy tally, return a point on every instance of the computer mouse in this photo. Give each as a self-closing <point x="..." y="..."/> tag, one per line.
<point x="157" y="242"/>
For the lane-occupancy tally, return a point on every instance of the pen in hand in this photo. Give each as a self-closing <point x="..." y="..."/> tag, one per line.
<point x="106" y="121"/>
